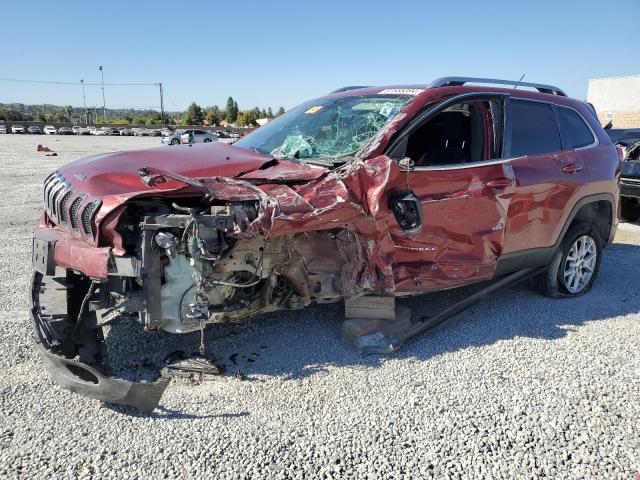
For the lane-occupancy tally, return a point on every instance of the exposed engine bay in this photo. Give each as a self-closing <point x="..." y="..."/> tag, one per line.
<point x="195" y="271"/>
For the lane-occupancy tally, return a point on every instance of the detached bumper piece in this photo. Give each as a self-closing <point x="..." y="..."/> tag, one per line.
<point x="73" y="351"/>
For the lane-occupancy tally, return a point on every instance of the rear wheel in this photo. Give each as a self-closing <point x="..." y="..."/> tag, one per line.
<point x="575" y="265"/>
<point x="175" y="141"/>
<point x="629" y="209"/>
<point x="207" y="140"/>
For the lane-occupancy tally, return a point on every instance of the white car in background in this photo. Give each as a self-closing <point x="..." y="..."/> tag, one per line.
<point x="17" y="129"/>
<point x="77" y="130"/>
<point x="197" y="136"/>
<point x="102" y="132"/>
<point x="50" y="130"/>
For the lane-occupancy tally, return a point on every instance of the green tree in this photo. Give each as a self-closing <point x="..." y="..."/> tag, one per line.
<point x="213" y="115"/>
<point x="153" y="118"/>
<point x="280" y="111"/>
<point x="231" y="112"/>
<point x="68" y="110"/>
<point x="193" y="115"/>
<point x="269" y="113"/>
<point x="40" y="117"/>
<point x="139" y="120"/>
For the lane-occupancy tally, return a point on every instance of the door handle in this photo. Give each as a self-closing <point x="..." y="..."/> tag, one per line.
<point x="500" y="182"/>
<point x="572" y="168"/>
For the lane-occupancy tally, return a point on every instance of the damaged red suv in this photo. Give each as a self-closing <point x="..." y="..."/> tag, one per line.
<point x="368" y="191"/>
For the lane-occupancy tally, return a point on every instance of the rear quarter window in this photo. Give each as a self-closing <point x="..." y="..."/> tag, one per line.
<point x="574" y="128"/>
<point x="534" y="129"/>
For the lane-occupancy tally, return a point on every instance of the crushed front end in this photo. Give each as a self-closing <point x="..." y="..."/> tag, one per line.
<point x="177" y="255"/>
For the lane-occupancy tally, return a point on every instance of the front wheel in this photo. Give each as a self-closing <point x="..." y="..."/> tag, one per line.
<point x="207" y="140"/>
<point x="175" y="141"/>
<point x="575" y="265"/>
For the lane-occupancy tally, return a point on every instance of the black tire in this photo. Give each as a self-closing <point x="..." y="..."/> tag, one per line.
<point x="207" y="140"/>
<point x="175" y="141"/>
<point x="629" y="209"/>
<point x="551" y="283"/>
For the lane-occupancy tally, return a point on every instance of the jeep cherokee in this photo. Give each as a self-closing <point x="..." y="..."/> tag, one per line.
<point x="377" y="191"/>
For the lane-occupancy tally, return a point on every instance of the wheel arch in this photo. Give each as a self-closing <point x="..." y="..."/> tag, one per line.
<point x="597" y="210"/>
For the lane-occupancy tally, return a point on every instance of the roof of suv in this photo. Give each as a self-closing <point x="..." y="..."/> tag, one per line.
<point x="452" y="85"/>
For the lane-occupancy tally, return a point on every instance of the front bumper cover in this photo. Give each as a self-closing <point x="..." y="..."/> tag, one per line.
<point x="79" y="376"/>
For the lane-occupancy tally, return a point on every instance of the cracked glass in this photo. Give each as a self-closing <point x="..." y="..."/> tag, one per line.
<point x="325" y="128"/>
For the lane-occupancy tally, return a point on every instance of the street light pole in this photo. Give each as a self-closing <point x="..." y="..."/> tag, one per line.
<point x="161" y="104"/>
<point x="104" y="104"/>
<point x="84" y="102"/>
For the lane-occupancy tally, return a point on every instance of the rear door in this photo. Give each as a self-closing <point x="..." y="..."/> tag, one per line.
<point x="548" y="175"/>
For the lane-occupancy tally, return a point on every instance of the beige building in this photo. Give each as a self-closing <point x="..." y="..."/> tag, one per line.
<point x="617" y="100"/>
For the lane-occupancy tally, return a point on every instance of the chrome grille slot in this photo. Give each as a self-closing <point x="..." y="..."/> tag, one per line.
<point x="87" y="218"/>
<point x="54" y="185"/>
<point x="64" y="201"/>
<point x="73" y="212"/>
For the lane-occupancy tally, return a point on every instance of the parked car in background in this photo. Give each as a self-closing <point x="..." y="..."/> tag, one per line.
<point x="140" y="132"/>
<point x="77" y="129"/>
<point x="101" y="132"/>
<point x="3" y="129"/>
<point x="34" y="130"/>
<point x="113" y="131"/>
<point x="628" y="141"/>
<point x="17" y="129"/>
<point x="198" y="136"/>
<point x="50" y="130"/>
<point x="222" y="134"/>
<point x="173" y="138"/>
<point x="65" y="131"/>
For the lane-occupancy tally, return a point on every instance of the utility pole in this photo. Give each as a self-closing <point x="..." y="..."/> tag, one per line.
<point x="84" y="102"/>
<point x="161" y="104"/>
<point x="104" y="104"/>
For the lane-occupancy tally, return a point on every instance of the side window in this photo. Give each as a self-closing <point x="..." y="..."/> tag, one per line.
<point x="456" y="135"/>
<point x="534" y="129"/>
<point x="574" y="128"/>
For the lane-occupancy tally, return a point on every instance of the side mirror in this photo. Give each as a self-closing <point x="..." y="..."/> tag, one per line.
<point x="406" y="164"/>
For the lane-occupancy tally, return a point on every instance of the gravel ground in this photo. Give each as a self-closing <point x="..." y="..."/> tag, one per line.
<point x="519" y="386"/>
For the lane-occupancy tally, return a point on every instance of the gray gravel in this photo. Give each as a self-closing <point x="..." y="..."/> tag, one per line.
<point x="518" y="387"/>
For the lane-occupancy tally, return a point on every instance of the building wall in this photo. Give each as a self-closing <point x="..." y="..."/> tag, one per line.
<point x="616" y="99"/>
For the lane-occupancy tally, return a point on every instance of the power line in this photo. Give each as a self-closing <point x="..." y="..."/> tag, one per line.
<point x="20" y="80"/>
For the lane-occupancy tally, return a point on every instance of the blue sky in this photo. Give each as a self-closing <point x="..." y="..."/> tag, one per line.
<point x="283" y="52"/>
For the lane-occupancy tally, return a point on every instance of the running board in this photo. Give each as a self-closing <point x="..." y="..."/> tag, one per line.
<point x="381" y="343"/>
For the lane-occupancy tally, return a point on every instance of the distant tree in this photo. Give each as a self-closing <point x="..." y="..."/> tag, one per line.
<point x="193" y="115"/>
<point x="153" y="118"/>
<point x="68" y="110"/>
<point x="139" y="120"/>
<point x="61" y="117"/>
<point x="40" y="117"/>
<point x="269" y="113"/>
<point x="280" y="111"/>
<point x="213" y="115"/>
<point x="231" y="112"/>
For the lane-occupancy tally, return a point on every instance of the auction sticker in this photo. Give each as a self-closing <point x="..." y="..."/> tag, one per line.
<point x="313" y="110"/>
<point x="401" y="91"/>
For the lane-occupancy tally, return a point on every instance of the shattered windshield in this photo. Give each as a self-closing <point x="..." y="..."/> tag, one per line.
<point x="325" y="128"/>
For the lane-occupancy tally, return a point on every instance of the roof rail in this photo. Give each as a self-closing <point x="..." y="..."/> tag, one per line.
<point x="353" y="87"/>
<point x="458" y="81"/>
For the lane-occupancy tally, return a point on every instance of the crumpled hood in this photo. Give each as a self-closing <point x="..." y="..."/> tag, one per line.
<point x="116" y="173"/>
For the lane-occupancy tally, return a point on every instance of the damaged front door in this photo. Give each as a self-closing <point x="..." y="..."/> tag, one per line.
<point x="450" y="206"/>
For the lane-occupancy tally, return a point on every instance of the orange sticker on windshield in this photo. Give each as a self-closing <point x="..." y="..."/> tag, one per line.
<point x="313" y="110"/>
